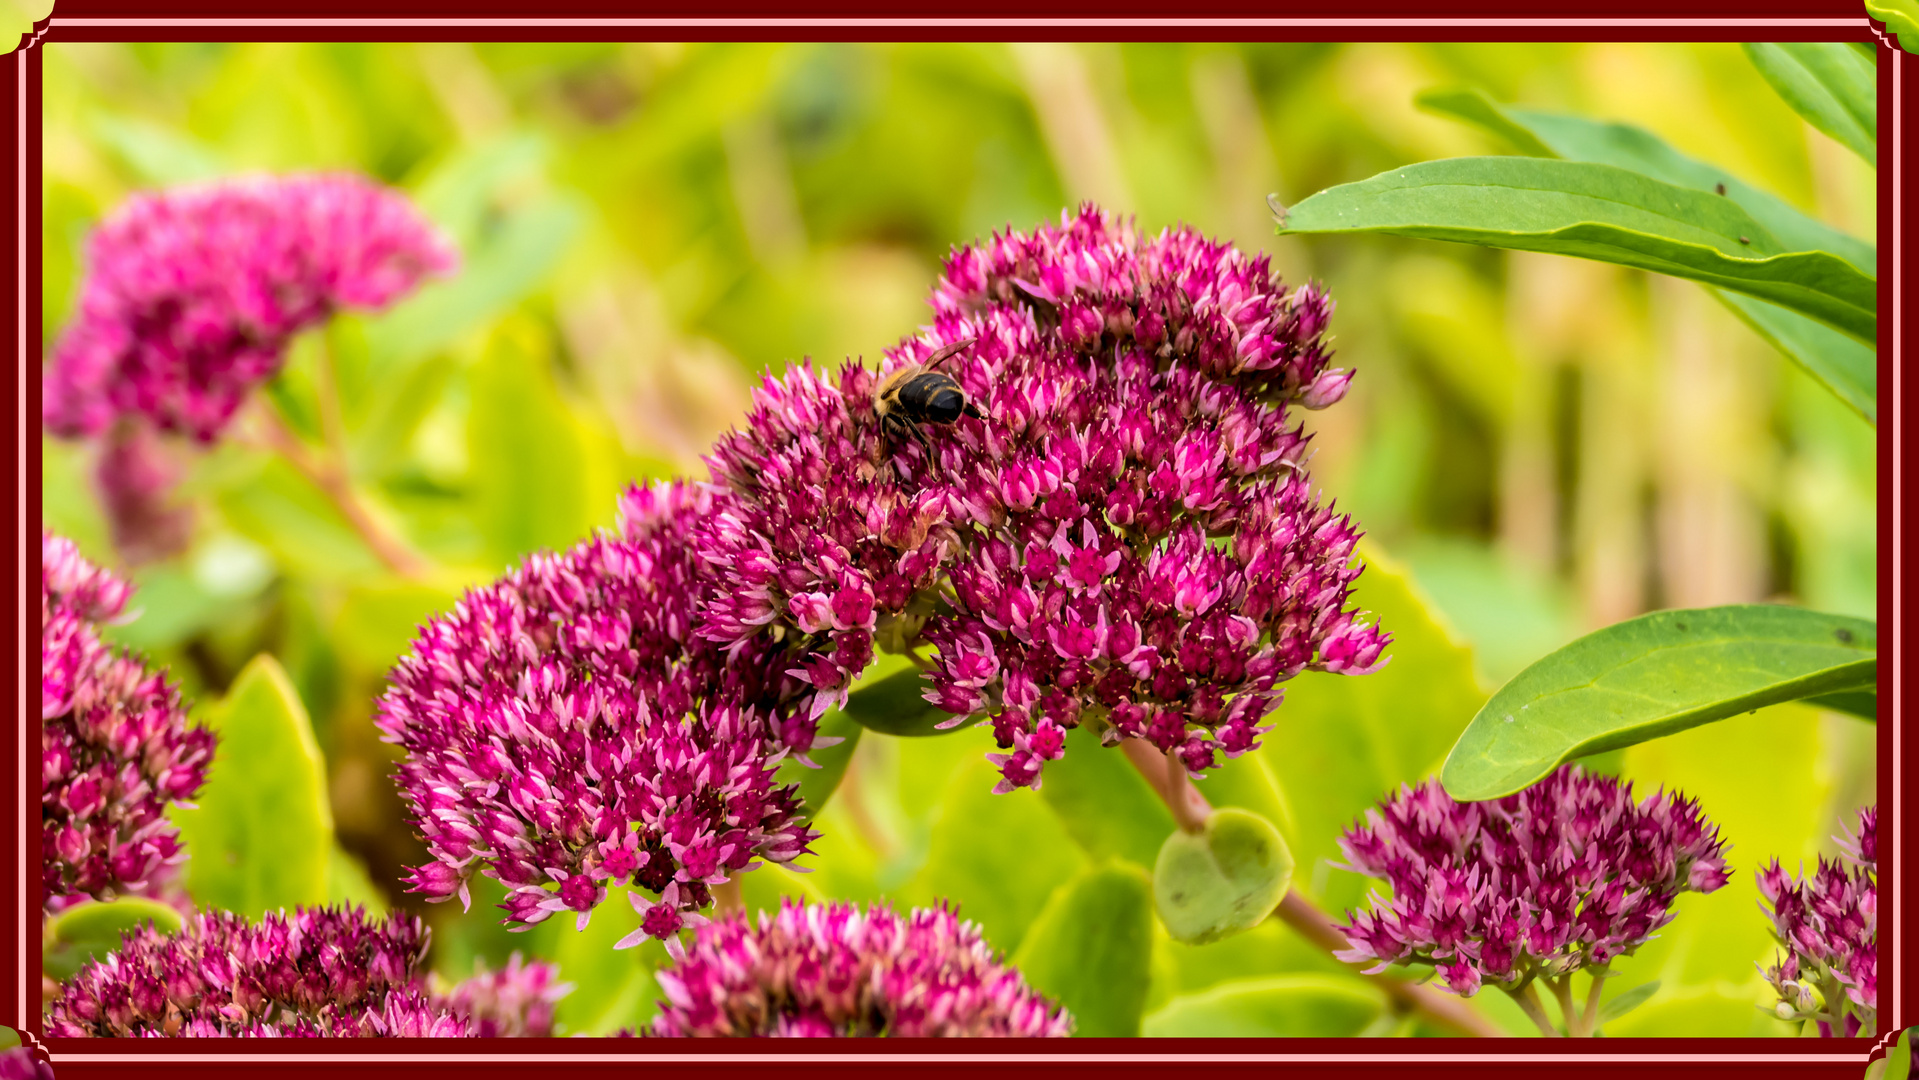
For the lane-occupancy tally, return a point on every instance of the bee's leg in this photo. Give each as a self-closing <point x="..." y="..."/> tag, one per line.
<point x="926" y="447"/>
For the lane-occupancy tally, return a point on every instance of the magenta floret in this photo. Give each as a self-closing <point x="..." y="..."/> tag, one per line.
<point x="1828" y="924"/>
<point x="1560" y="877"/>
<point x="834" y="970"/>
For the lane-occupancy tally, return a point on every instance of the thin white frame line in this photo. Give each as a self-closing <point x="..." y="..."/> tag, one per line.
<point x="935" y="23"/>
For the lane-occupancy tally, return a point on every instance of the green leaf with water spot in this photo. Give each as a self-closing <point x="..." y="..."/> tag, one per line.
<point x="1091" y="949"/>
<point x="1222" y="880"/>
<point x="1652" y="676"/>
<point x="1301" y="1006"/>
<point x="1846" y="367"/>
<point x="1829" y="84"/>
<point x="1602" y="212"/>
<point x="261" y="836"/>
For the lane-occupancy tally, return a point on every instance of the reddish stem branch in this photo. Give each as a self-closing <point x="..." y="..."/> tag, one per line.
<point x="1170" y="782"/>
<point x="330" y="477"/>
<point x="1190" y="810"/>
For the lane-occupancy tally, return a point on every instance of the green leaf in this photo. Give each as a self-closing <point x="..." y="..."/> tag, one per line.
<point x="818" y="785"/>
<point x="1300" y="1006"/>
<point x="378" y="620"/>
<point x="895" y="705"/>
<point x="1577" y="138"/>
<point x="1104" y="803"/>
<point x="611" y="990"/>
<point x="1846" y="367"/>
<point x="1829" y="84"/>
<point x="529" y="488"/>
<point x="1600" y="212"/>
<point x="349" y="883"/>
<point x="1901" y="18"/>
<point x="261" y="837"/>
<point x="1861" y="703"/>
<point x="998" y="857"/>
<point x="279" y="509"/>
<point x="1627" y="1001"/>
<point x="1341" y="742"/>
<point x="1652" y="676"/>
<point x="93" y="929"/>
<point x="1091" y="949"/>
<point x="1221" y="881"/>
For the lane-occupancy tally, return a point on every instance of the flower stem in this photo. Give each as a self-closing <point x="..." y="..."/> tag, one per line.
<point x="1568" y="1012"/>
<point x="1589" y="1022"/>
<point x="727" y="899"/>
<point x="1170" y="782"/>
<point x="1190" y="809"/>
<point x="331" y="478"/>
<point x="1528" y="999"/>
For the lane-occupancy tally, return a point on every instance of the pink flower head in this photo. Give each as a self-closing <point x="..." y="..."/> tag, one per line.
<point x="192" y="295"/>
<point x="316" y="972"/>
<point x="833" y="970"/>
<point x="115" y="746"/>
<point x="1125" y="536"/>
<point x="1828" y="924"/>
<point x="19" y="1063"/>
<point x="516" y="1001"/>
<point x="565" y="729"/>
<point x="1562" y="876"/>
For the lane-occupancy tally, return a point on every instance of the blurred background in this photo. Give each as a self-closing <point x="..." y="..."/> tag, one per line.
<point x="1547" y="445"/>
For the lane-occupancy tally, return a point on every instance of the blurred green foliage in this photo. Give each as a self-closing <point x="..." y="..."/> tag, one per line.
<point x="1544" y="447"/>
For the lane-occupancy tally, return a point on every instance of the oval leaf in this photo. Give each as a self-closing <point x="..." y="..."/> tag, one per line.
<point x="1628" y="1001"/>
<point x="1829" y="84"/>
<point x="1299" y="1006"/>
<point x="1846" y="367"/>
<point x="1091" y="949"/>
<point x="262" y="836"/>
<point x="1652" y="676"/>
<point x="1223" y="880"/>
<point x="1599" y="212"/>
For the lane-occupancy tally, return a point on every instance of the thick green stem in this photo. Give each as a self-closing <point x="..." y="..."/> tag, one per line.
<point x="1589" y="1021"/>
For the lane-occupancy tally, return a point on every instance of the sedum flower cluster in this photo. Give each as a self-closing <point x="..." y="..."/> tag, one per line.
<point x="1828" y="923"/>
<point x="192" y="295"/>
<point x="566" y="730"/>
<point x="1126" y="537"/>
<point x="115" y="744"/>
<point x="191" y="299"/>
<point x="827" y="970"/>
<point x="318" y="972"/>
<point x="19" y="1063"/>
<point x="1560" y="877"/>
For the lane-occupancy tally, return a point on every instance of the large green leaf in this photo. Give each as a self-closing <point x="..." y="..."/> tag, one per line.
<point x="1652" y="676"/>
<point x="1091" y="949"/>
<point x="1104" y="803"/>
<point x="999" y="857"/>
<point x="526" y="452"/>
<point x="1829" y="84"/>
<point x="1300" y="1006"/>
<point x="1846" y="367"/>
<point x="261" y="837"/>
<point x="1578" y="138"/>
<point x="1340" y="743"/>
<point x="88" y="930"/>
<point x="1600" y="212"/>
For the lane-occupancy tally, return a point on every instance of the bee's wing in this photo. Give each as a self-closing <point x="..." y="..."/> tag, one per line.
<point x="945" y="353"/>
